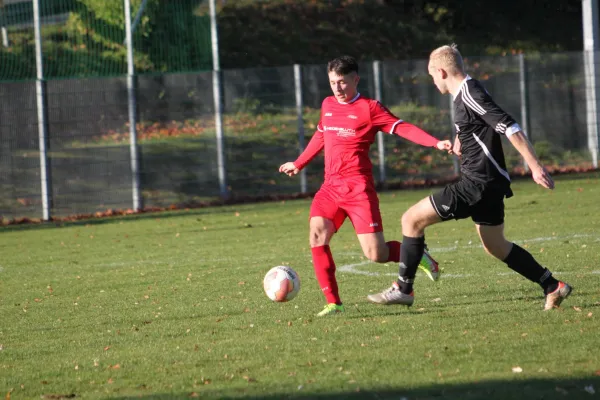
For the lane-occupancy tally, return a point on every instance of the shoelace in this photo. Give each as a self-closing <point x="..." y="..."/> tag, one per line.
<point x="390" y="291"/>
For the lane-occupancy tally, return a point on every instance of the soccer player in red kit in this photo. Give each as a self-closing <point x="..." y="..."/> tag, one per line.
<point x="346" y="130"/>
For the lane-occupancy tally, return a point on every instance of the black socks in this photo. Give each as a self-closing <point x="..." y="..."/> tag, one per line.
<point x="411" y="253"/>
<point x="523" y="263"/>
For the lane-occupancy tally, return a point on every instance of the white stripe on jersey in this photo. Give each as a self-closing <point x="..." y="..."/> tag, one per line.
<point x="511" y="130"/>
<point x="489" y="155"/>
<point x="469" y="100"/>
<point x="394" y="126"/>
<point x="501" y="128"/>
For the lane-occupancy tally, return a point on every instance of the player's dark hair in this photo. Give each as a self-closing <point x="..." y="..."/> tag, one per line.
<point x="343" y="65"/>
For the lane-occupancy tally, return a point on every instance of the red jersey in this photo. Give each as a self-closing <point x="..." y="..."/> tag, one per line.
<point x="346" y="132"/>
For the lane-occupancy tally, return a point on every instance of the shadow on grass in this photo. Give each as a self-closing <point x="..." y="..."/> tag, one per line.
<point x="530" y="389"/>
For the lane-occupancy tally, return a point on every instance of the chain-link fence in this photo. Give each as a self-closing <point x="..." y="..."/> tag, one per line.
<point x="268" y="114"/>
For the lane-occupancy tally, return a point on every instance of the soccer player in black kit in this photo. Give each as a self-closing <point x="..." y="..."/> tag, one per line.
<point x="481" y="189"/>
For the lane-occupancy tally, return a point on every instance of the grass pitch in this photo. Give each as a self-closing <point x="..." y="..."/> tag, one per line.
<point x="171" y="306"/>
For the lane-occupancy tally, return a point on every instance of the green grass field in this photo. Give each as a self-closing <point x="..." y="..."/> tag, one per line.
<point x="171" y="306"/>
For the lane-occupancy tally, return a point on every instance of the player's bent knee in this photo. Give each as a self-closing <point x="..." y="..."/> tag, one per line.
<point x="376" y="255"/>
<point x="320" y="234"/>
<point x="409" y="220"/>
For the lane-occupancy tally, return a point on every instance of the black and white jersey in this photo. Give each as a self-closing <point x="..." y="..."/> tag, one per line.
<point x="479" y="123"/>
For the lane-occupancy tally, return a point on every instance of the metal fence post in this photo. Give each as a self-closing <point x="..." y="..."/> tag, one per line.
<point x="380" y="142"/>
<point x="42" y="114"/>
<point x="524" y="101"/>
<point x="222" y="171"/>
<point x="590" y="46"/>
<point x="300" y="116"/>
<point x="131" y="98"/>
<point x="453" y="134"/>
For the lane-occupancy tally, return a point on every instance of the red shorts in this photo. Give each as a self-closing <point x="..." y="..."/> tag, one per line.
<point x="356" y="200"/>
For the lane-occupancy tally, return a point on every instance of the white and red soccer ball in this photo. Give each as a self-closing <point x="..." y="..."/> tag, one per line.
<point x="281" y="283"/>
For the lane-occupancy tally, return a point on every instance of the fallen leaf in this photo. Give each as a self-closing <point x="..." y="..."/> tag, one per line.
<point x="517" y="370"/>
<point x="589" y="389"/>
<point x="116" y="366"/>
<point x="205" y="381"/>
<point x="576" y="308"/>
<point x="7" y="397"/>
<point x="289" y="323"/>
<point x="106" y="348"/>
<point x="249" y="379"/>
<point x="110" y="381"/>
<point x="194" y="394"/>
<point x="589" y="314"/>
<point x="561" y="390"/>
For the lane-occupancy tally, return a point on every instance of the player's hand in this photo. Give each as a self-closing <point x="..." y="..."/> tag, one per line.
<point x="444" y="145"/>
<point x="542" y="177"/>
<point x="456" y="148"/>
<point x="289" y="169"/>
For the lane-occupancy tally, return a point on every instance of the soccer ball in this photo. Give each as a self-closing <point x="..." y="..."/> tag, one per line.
<point x="281" y="283"/>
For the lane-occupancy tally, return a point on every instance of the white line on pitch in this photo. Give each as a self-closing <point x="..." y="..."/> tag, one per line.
<point x="352" y="269"/>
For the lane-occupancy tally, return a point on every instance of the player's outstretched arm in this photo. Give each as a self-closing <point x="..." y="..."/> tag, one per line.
<point x="314" y="147"/>
<point x="538" y="172"/>
<point x="419" y="136"/>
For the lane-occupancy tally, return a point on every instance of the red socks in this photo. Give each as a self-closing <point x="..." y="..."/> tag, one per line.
<point x="394" y="247"/>
<point x="325" y="270"/>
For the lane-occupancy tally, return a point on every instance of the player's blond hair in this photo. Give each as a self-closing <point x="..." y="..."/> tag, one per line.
<point x="449" y="58"/>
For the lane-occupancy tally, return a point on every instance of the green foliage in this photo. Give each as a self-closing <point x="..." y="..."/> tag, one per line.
<point x="174" y="36"/>
<point x="110" y="11"/>
<point x="169" y="37"/>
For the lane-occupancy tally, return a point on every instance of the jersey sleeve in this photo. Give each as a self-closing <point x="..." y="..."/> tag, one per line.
<point x="385" y="121"/>
<point x="481" y="103"/>
<point x="382" y="118"/>
<point x="315" y="145"/>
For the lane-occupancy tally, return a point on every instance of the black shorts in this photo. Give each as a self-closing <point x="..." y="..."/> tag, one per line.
<point x="465" y="199"/>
